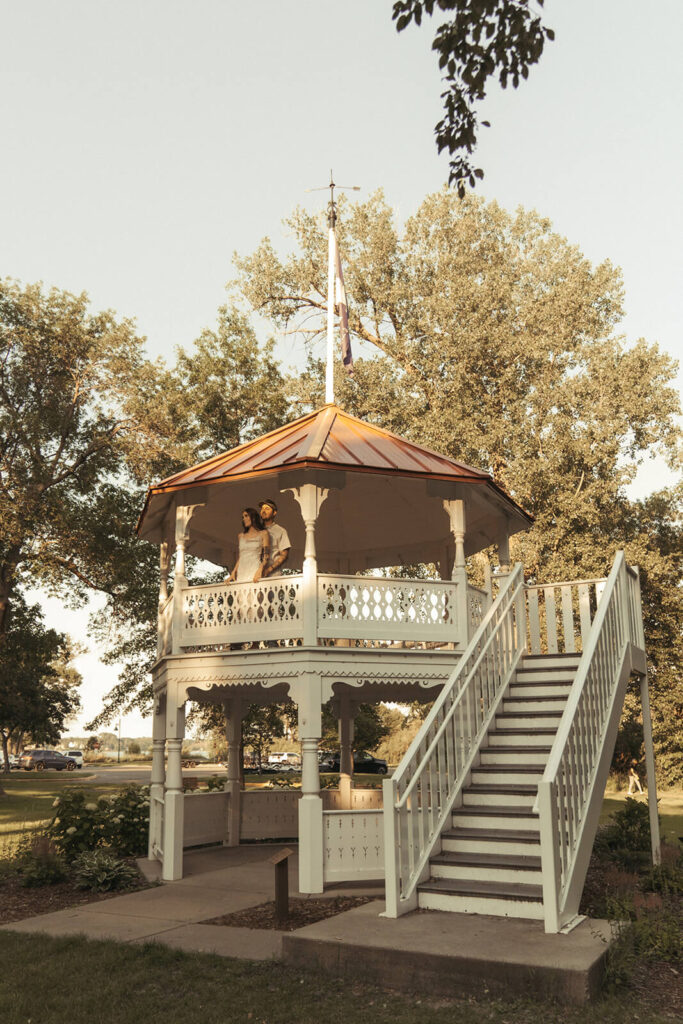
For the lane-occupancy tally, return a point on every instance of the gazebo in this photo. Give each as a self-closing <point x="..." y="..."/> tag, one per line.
<point x="355" y="500"/>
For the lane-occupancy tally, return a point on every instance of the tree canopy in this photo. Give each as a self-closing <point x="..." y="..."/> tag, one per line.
<point x="38" y="685"/>
<point x="487" y="336"/>
<point x="482" y="38"/>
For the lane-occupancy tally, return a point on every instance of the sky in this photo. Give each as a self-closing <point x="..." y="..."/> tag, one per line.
<point x="145" y="142"/>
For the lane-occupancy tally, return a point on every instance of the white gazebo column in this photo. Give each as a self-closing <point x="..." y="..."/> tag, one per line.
<point x="234" y="713"/>
<point x="184" y="514"/>
<point x="346" y="715"/>
<point x="456" y="512"/>
<point x="504" y="555"/>
<point x="307" y="692"/>
<point x="173" y="794"/>
<point x="164" y="566"/>
<point x="157" y="777"/>
<point x="310" y="498"/>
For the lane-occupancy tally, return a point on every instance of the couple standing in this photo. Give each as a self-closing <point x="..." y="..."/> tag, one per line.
<point x="263" y="545"/>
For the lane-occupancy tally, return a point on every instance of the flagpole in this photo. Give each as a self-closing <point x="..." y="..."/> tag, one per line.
<point x="331" y="249"/>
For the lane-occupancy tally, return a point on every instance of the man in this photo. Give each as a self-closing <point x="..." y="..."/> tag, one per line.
<point x="279" y="541"/>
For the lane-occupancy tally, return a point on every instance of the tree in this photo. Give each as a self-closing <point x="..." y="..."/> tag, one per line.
<point x="225" y="390"/>
<point x="487" y="336"/>
<point x="484" y="37"/>
<point x="76" y="414"/>
<point x="38" y="686"/>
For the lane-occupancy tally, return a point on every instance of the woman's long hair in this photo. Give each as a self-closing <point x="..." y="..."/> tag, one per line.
<point x="255" y="519"/>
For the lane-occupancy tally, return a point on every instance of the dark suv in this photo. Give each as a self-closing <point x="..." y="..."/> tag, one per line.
<point x="40" y="759"/>
<point x="362" y="763"/>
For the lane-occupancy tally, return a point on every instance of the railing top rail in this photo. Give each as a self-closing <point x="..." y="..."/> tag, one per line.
<point x="507" y="590"/>
<point x="565" y="583"/>
<point x="163" y="605"/>
<point x="477" y="590"/>
<point x="562" y="735"/>
<point x="383" y="579"/>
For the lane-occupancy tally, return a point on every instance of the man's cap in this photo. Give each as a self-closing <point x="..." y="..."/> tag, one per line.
<point x="268" y="501"/>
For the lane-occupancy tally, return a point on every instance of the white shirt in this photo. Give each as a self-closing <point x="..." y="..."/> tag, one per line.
<point x="279" y="542"/>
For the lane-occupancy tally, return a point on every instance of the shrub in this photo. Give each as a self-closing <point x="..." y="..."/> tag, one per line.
<point x="127" y="822"/>
<point x="81" y="823"/>
<point x="101" y="871"/>
<point x="215" y="784"/>
<point x="78" y="822"/>
<point x="41" y="864"/>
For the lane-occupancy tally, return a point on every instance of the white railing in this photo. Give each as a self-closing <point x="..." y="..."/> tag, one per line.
<point x="353" y="845"/>
<point x="560" y="615"/>
<point x="571" y="790"/>
<point x="358" y="607"/>
<point x="424" y="788"/>
<point x="223" y="613"/>
<point x="478" y="603"/>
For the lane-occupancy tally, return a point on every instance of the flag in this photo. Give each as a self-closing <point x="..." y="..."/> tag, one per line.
<point x="347" y="357"/>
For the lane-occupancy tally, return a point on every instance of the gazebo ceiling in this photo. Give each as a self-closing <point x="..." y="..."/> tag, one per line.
<point x="384" y="504"/>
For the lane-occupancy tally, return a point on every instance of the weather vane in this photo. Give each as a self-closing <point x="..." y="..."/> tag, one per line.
<point x="332" y="207"/>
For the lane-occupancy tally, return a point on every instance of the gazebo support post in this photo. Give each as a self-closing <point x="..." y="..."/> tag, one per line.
<point x="310" y="498"/>
<point x="346" y="716"/>
<point x="456" y="512"/>
<point x="157" y="777"/>
<point x="172" y="868"/>
<point x="182" y="536"/>
<point x="307" y="692"/>
<point x="234" y="713"/>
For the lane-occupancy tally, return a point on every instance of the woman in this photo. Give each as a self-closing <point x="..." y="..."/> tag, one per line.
<point x="254" y="549"/>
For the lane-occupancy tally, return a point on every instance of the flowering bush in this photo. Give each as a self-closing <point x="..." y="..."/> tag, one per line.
<point x="80" y="823"/>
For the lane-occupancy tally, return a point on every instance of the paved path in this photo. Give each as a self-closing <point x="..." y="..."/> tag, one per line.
<point x="216" y="882"/>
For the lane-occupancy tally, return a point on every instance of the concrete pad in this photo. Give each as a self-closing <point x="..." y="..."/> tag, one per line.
<point x="448" y="954"/>
<point x="239" y="943"/>
<point x="93" y="924"/>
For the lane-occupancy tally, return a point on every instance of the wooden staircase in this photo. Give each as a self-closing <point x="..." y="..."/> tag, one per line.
<point x="490" y="857"/>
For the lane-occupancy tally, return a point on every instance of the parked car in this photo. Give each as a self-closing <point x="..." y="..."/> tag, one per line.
<point x="13" y="761"/>
<point x="77" y="755"/>
<point x="362" y="762"/>
<point x="40" y="759"/>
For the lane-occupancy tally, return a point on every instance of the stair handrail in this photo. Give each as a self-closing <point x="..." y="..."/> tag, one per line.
<point x="570" y="791"/>
<point x="421" y="793"/>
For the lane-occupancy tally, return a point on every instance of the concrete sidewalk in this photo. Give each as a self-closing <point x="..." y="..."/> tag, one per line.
<point x="426" y="951"/>
<point x="217" y="881"/>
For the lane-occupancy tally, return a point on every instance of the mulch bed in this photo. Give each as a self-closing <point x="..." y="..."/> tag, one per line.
<point x="301" y="913"/>
<point x="18" y="902"/>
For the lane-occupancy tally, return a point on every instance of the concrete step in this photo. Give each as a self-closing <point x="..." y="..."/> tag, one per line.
<point x="495" y="817"/>
<point x="503" y="754"/>
<point x="506" y="899"/>
<point x="506" y="774"/>
<point x="498" y="841"/>
<point x="486" y="867"/>
<point x="500" y="795"/>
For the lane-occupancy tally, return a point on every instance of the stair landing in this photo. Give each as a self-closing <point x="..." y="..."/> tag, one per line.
<point x="452" y="954"/>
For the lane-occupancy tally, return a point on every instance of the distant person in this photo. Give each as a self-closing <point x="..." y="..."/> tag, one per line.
<point x="279" y="540"/>
<point x="253" y="549"/>
<point x="633" y="779"/>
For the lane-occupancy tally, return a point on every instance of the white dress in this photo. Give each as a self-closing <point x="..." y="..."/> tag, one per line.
<point x="249" y="556"/>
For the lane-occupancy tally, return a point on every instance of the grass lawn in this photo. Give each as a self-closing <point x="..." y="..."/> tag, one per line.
<point x="79" y="981"/>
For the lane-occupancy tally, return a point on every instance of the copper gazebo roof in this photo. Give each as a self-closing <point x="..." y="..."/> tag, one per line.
<point x="370" y="472"/>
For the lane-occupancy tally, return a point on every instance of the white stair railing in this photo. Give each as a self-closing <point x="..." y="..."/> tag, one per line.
<point x="571" y="790"/>
<point x="423" y="790"/>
